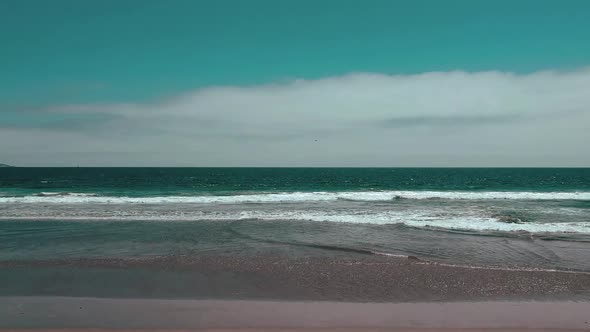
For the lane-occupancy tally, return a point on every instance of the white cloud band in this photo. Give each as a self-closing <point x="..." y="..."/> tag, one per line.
<point x="431" y="119"/>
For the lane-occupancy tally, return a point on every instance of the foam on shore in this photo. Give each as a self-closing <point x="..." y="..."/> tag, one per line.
<point x="77" y="198"/>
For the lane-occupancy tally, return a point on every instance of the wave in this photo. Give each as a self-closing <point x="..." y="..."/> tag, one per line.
<point x="469" y="222"/>
<point x="287" y="197"/>
<point x="495" y="225"/>
<point x="62" y="194"/>
<point x="472" y="223"/>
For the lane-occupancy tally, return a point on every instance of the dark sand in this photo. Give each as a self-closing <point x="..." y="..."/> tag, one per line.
<point x="360" y="292"/>
<point x="359" y="278"/>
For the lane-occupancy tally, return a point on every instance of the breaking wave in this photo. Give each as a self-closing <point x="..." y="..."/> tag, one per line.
<point x="286" y="197"/>
<point x="416" y="219"/>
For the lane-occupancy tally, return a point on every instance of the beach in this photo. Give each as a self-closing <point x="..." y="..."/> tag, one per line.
<point x="103" y="314"/>
<point x="294" y="166"/>
<point x="358" y="278"/>
<point x="280" y="294"/>
<point x="292" y="249"/>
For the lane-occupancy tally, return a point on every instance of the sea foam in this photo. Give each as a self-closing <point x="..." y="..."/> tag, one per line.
<point x="434" y="219"/>
<point x="74" y="198"/>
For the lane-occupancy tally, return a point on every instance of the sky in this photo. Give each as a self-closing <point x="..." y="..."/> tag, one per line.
<point x="294" y="83"/>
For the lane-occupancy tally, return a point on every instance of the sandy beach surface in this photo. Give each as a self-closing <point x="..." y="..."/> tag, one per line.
<point x="354" y="278"/>
<point x="294" y="249"/>
<point x="367" y="293"/>
<point x="291" y="330"/>
<point x="64" y="313"/>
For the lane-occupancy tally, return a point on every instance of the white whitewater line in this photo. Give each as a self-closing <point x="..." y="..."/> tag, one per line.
<point x="492" y="224"/>
<point x="498" y="268"/>
<point x="417" y="219"/>
<point x="287" y="197"/>
<point x="421" y="261"/>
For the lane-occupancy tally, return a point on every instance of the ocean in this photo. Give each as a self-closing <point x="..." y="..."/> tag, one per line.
<point x="164" y="232"/>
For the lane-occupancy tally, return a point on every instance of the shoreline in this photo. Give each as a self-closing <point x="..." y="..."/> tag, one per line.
<point x="67" y="313"/>
<point x="356" y="278"/>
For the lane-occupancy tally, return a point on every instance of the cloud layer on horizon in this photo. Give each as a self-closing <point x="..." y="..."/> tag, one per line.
<point x="431" y="119"/>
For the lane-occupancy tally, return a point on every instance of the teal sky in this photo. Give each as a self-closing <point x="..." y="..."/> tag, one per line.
<point x="295" y="83"/>
<point x="72" y="51"/>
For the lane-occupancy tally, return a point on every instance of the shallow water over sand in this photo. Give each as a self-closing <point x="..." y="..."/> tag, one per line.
<point x="60" y="229"/>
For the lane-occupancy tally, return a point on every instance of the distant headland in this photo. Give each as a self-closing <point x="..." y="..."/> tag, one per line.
<point x="4" y="165"/>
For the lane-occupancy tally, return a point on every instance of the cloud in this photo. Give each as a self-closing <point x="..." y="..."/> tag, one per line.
<point x="431" y="119"/>
<point x="454" y="120"/>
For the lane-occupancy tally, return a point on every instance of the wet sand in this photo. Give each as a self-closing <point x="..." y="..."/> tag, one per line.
<point x="358" y="278"/>
<point x="79" y="313"/>
<point x="267" y="292"/>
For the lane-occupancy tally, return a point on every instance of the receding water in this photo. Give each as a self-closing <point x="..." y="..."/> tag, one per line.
<point x="491" y="217"/>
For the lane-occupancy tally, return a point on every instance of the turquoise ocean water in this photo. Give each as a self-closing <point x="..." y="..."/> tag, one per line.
<point x="523" y="218"/>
